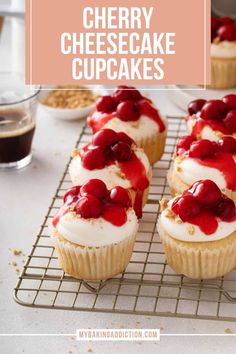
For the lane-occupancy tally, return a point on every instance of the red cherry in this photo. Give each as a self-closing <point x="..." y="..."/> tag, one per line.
<point x="105" y="104"/>
<point x="213" y="35"/>
<point x="202" y="149"/>
<point x="214" y="110"/>
<point x="186" y="207"/>
<point x="215" y="23"/>
<point x="125" y="138"/>
<point x="230" y="101"/>
<point x="230" y="121"/>
<point x="122" y="151"/>
<point x="128" y="111"/>
<point x="104" y="138"/>
<point x="94" y="159"/>
<point x="94" y="187"/>
<point x="120" y="196"/>
<point x="206" y="192"/>
<point x="227" y="32"/>
<point x="71" y="193"/>
<point x="123" y="93"/>
<point x="89" y="207"/>
<point x="185" y="142"/>
<point x="225" y="209"/>
<point x="227" y="144"/>
<point x="226" y="20"/>
<point x="195" y="106"/>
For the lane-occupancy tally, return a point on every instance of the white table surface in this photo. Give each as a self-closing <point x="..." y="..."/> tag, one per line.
<point x="24" y="199"/>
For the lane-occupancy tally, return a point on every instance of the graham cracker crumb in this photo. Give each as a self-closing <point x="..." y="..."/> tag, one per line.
<point x="170" y="214"/>
<point x="121" y="174"/>
<point x="13" y="264"/>
<point x="228" y="331"/>
<point x="191" y="229"/>
<point x="16" y="251"/>
<point x="179" y="169"/>
<point x="163" y="204"/>
<point x="135" y="124"/>
<point x="180" y="158"/>
<point x="216" y="40"/>
<point x="90" y="350"/>
<point x="178" y="220"/>
<point x="74" y="153"/>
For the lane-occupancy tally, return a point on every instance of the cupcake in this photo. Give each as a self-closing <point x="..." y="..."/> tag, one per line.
<point x="204" y="159"/>
<point x="117" y="161"/>
<point x="126" y="110"/>
<point x="223" y="53"/>
<point x="198" y="232"/>
<point x="212" y="119"/>
<point x="94" y="231"/>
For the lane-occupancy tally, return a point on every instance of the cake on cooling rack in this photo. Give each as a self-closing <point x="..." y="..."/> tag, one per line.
<point x="126" y="110"/>
<point x="94" y="231"/>
<point x="198" y="231"/>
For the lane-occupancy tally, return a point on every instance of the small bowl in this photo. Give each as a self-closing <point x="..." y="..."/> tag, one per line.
<point x="70" y="113"/>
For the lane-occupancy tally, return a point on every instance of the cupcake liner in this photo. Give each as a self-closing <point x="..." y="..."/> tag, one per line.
<point x="93" y="263"/>
<point x="153" y="147"/>
<point x="200" y="260"/>
<point x="223" y="73"/>
<point x="177" y="186"/>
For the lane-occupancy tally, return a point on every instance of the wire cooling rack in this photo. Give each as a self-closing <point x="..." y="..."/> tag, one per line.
<point x="147" y="287"/>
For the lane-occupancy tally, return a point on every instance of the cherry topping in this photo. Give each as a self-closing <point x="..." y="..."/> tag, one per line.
<point x="230" y="101"/>
<point x="225" y="20"/>
<point x="89" y="207"/>
<point x="120" y="196"/>
<point x="94" y="159"/>
<point x="186" y="207"/>
<point x="94" y="187"/>
<point x="206" y="192"/>
<point x="195" y="106"/>
<point x="202" y="149"/>
<point x="227" y="144"/>
<point x="128" y="111"/>
<point x="214" y="109"/>
<point x="122" y="151"/>
<point x="71" y="193"/>
<point x="125" y="138"/>
<point x="105" y="104"/>
<point x="227" y="32"/>
<point x="215" y="23"/>
<point x="123" y="93"/>
<point x="184" y="142"/>
<point x="225" y="209"/>
<point x="105" y="137"/>
<point x="230" y="121"/>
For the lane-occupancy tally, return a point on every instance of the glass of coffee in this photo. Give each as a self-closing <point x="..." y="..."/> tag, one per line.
<point x="18" y="103"/>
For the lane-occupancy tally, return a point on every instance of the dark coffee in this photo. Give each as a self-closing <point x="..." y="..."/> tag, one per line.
<point x="16" y="134"/>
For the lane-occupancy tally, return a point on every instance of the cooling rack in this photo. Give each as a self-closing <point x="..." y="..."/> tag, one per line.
<point x="148" y="286"/>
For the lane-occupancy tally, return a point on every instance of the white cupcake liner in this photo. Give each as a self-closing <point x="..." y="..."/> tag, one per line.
<point x="200" y="260"/>
<point x="93" y="263"/>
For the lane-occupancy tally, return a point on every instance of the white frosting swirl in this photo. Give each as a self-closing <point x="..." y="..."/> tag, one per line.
<point x="180" y="231"/>
<point x="95" y="232"/>
<point x="111" y="175"/>
<point x="144" y="128"/>
<point x="224" y="49"/>
<point x="190" y="171"/>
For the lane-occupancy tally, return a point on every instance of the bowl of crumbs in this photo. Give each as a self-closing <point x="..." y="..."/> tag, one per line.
<point x="70" y="102"/>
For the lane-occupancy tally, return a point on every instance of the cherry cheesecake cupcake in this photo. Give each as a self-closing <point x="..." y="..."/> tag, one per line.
<point x="204" y="159"/>
<point x="94" y="231"/>
<point x="198" y="232"/>
<point x="116" y="160"/>
<point x="212" y="119"/>
<point x="223" y="53"/>
<point x="126" y="110"/>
